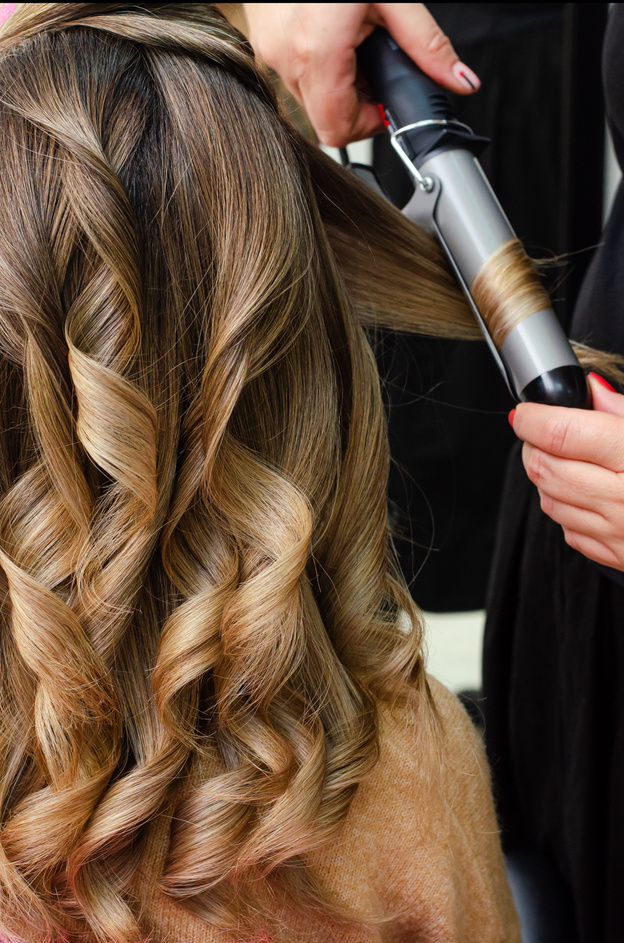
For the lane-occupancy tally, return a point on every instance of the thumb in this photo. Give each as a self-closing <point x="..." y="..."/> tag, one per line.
<point x="418" y="34"/>
<point x="605" y="398"/>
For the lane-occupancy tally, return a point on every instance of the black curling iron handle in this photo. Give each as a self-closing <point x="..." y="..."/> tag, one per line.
<point x="406" y="93"/>
<point x="409" y="97"/>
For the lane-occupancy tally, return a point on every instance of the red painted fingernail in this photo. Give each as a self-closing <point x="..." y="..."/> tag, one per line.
<point x="511" y="417"/>
<point x="602" y="381"/>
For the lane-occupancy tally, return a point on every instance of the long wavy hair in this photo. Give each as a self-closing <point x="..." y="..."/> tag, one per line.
<point x="194" y="550"/>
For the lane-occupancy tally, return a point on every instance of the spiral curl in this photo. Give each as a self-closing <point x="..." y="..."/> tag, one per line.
<point x="193" y="472"/>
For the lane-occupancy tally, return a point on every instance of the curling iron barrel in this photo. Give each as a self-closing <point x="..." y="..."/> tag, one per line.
<point x="455" y="202"/>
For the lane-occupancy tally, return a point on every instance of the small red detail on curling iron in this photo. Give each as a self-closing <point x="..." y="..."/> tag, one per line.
<point x="383" y="115"/>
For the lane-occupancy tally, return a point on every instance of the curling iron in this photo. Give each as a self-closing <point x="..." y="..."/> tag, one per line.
<point x="454" y="201"/>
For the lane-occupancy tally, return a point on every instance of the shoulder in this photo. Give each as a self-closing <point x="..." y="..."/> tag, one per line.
<point x="430" y="734"/>
<point x="432" y="756"/>
<point x="433" y="752"/>
<point x="422" y="831"/>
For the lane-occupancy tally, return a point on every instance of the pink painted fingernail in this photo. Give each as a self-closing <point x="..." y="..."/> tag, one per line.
<point x="511" y="417"/>
<point x="466" y="76"/>
<point x="602" y="381"/>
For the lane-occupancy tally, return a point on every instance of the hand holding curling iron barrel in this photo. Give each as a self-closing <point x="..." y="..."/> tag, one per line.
<point x="454" y="201"/>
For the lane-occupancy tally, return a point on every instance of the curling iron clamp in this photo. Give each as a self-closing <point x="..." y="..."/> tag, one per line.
<point x="454" y="202"/>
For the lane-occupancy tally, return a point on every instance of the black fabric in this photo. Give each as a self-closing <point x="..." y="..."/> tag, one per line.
<point x="554" y="645"/>
<point x="541" y="898"/>
<point x="553" y="657"/>
<point x="471" y="24"/>
<point x="599" y="316"/>
<point x="449" y="438"/>
<point x="447" y="402"/>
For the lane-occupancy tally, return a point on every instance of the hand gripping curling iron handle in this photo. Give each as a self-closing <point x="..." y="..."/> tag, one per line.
<point x="454" y="200"/>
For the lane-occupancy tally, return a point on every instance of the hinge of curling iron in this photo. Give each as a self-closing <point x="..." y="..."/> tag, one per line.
<point x="425" y="183"/>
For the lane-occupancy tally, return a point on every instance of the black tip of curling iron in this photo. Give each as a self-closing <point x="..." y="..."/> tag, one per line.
<point x="563" y="386"/>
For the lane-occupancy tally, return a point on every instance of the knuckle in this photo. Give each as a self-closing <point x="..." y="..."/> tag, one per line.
<point x="611" y="513"/>
<point x="290" y="62"/>
<point x="268" y="53"/>
<point x="301" y="52"/>
<point x="536" y="466"/>
<point x="438" y="44"/>
<point x="618" y="457"/>
<point x="572" y="539"/>
<point x="546" y="503"/>
<point x="333" y="137"/>
<point x="557" y="432"/>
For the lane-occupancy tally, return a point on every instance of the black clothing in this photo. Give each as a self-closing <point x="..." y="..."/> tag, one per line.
<point x="554" y="645"/>
<point x="473" y="24"/>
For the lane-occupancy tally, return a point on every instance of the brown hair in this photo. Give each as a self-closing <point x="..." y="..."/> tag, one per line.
<point x="507" y="289"/>
<point x="193" y="469"/>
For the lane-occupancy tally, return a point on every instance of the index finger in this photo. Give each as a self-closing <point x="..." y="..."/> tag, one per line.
<point x="331" y="100"/>
<point x="580" y="434"/>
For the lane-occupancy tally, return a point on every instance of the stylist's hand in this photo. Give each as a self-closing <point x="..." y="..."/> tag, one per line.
<point x="312" y="47"/>
<point x="576" y="459"/>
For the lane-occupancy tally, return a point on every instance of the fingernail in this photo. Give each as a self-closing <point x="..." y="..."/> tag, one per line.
<point x="511" y="417"/>
<point x="466" y="75"/>
<point x="602" y="381"/>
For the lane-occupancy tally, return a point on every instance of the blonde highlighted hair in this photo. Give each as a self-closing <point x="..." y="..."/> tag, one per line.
<point x="193" y="469"/>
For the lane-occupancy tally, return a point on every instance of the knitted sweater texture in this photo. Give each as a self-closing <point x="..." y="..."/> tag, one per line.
<point x="420" y="845"/>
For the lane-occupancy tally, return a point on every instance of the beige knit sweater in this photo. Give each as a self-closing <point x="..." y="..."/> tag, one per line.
<point x="420" y="842"/>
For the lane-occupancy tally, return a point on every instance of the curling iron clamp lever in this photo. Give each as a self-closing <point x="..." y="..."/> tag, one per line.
<point x="425" y="183"/>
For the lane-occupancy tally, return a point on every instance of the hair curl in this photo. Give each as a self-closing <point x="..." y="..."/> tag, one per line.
<point x="193" y="470"/>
